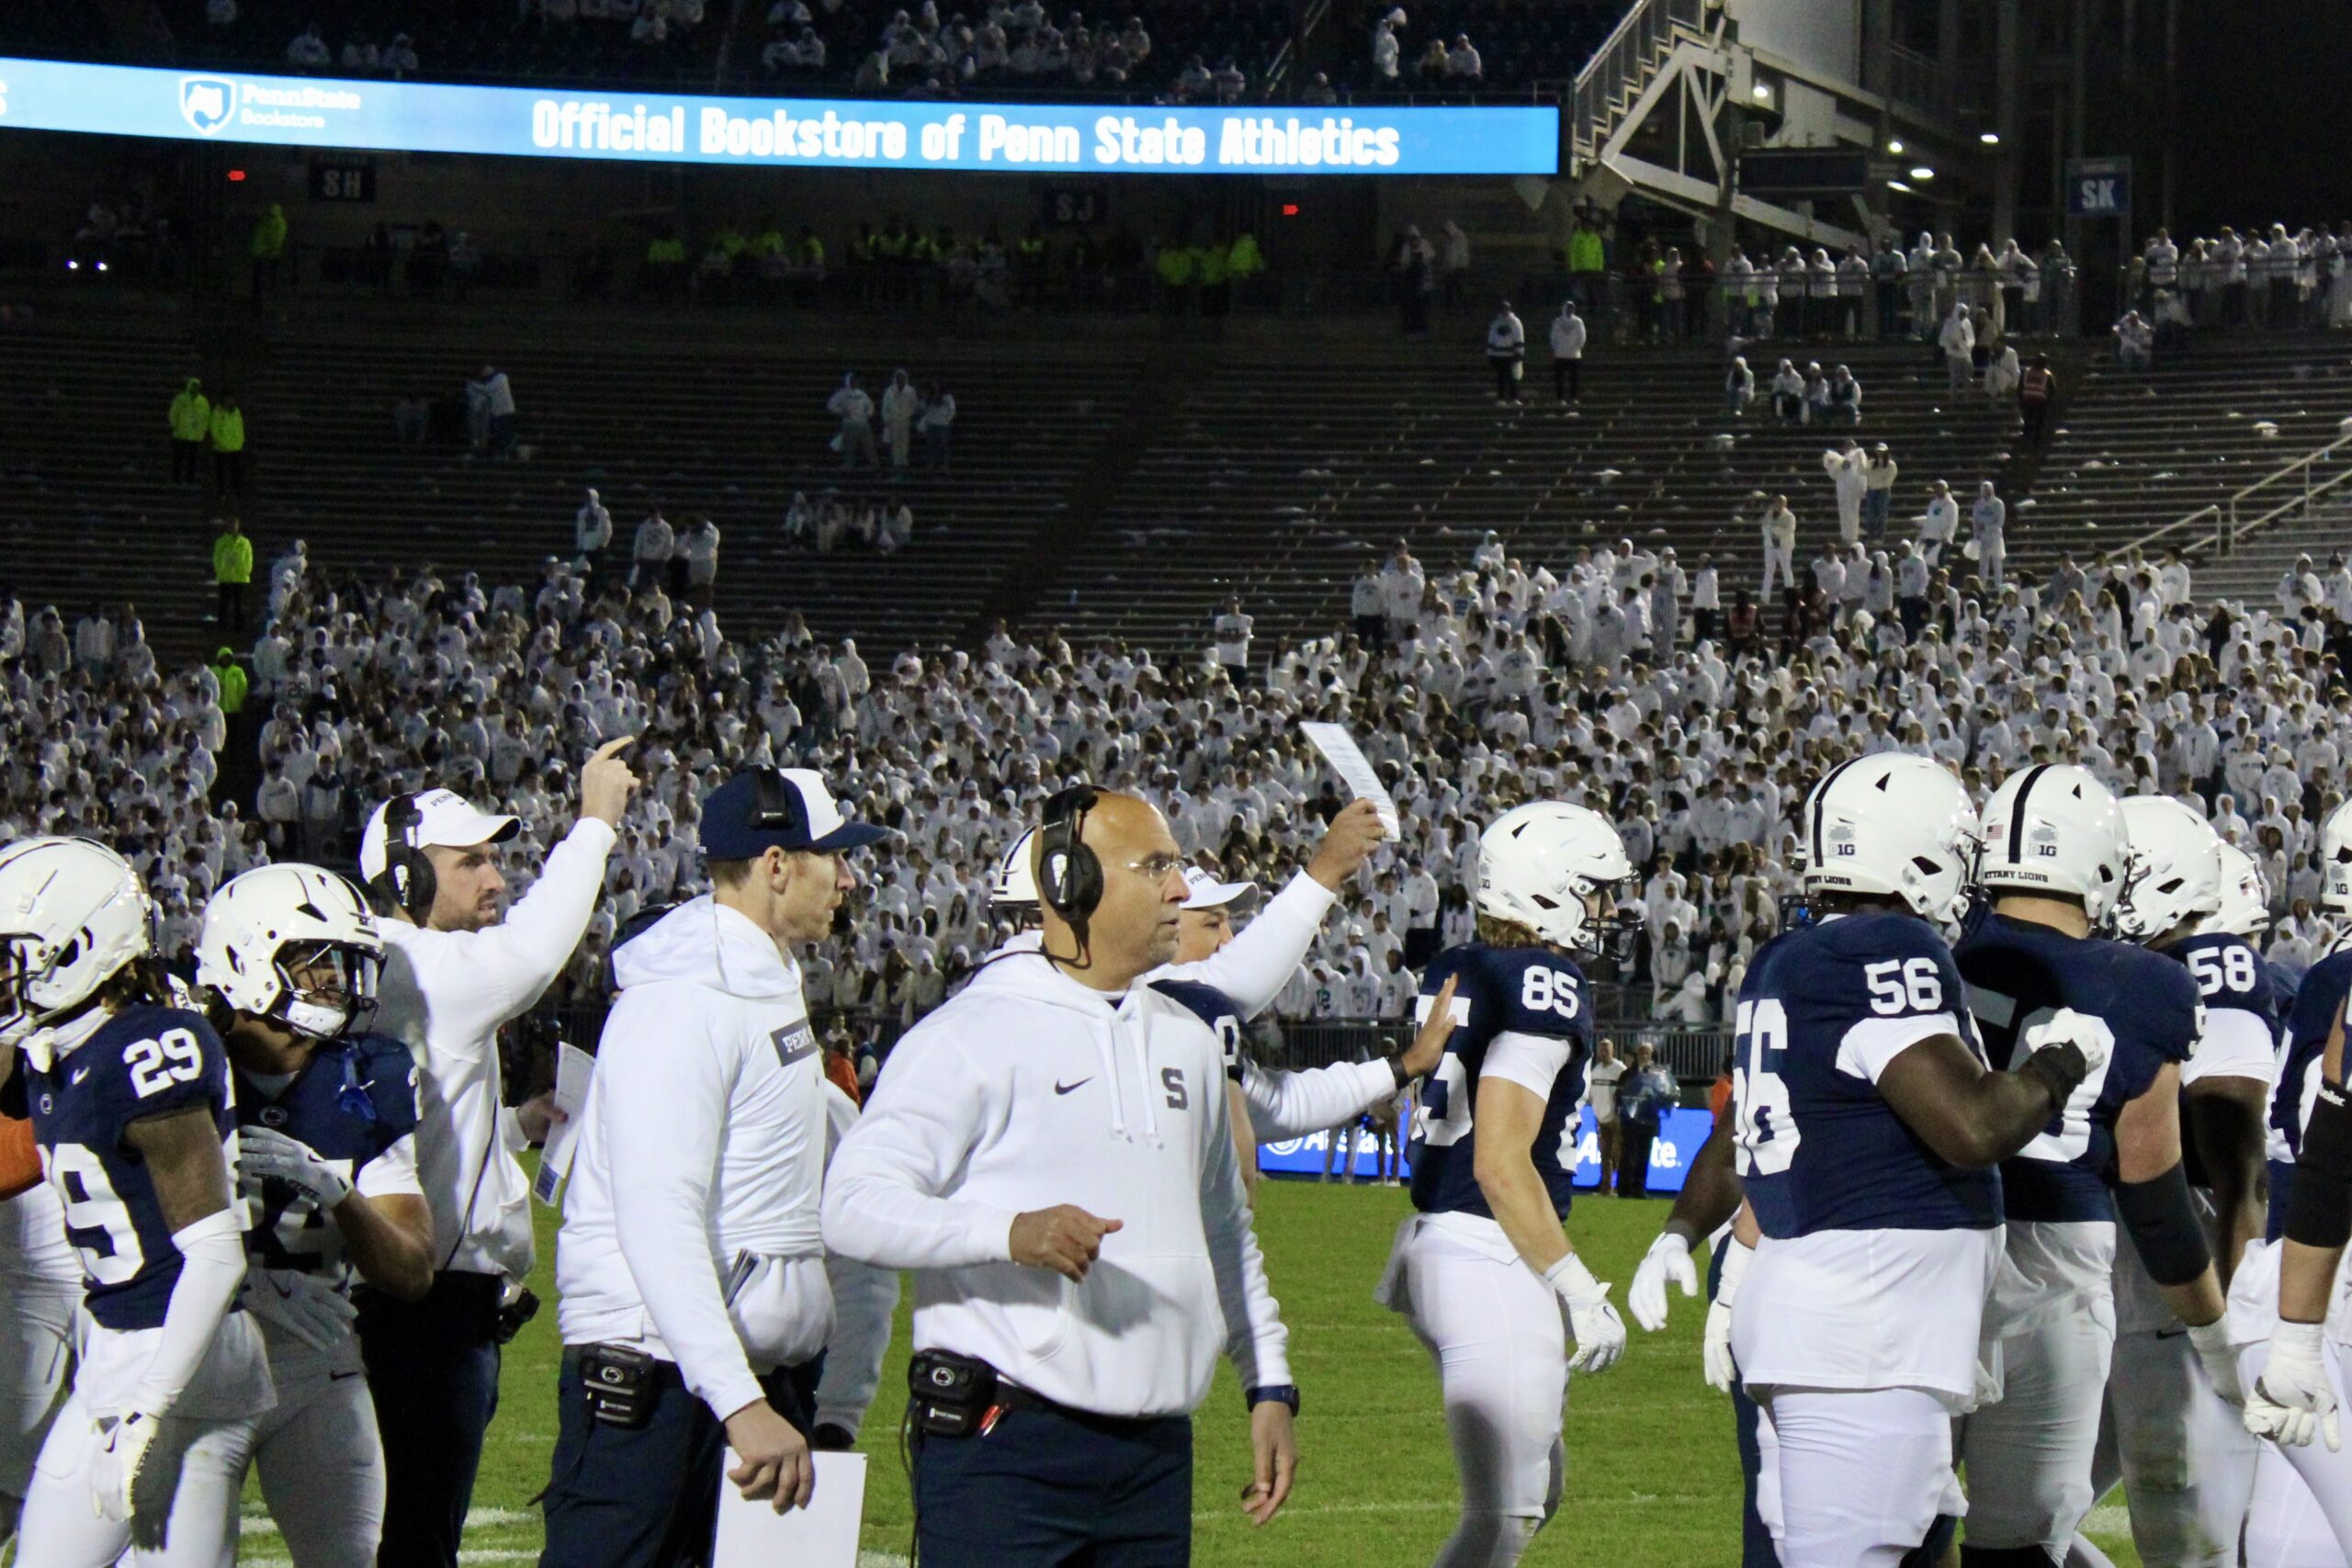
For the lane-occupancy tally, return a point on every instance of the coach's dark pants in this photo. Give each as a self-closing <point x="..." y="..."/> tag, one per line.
<point x="1633" y="1159"/>
<point x="648" y="1497"/>
<point x="1047" y="1488"/>
<point x="432" y="1371"/>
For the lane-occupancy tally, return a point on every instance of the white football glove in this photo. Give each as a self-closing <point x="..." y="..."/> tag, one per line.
<point x="2292" y="1402"/>
<point x="319" y="1317"/>
<point x="1714" y="1349"/>
<point x="124" y="1442"/>
<point x="1599" y="1332"/>
<point x="2090" y="1035"/>
<point x="2212" y="1343"/>
<point x="264" y="1153"/>
<point x="1668" y="1261"/>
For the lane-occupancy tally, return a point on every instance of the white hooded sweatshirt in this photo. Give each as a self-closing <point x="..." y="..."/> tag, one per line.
<point x="1251" y="970"/>
<point x="690" y="1226"/>
<point x="1029" y="1090"/>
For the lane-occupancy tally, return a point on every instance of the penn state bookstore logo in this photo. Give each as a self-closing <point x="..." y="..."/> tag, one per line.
<point x="206" y="103"/>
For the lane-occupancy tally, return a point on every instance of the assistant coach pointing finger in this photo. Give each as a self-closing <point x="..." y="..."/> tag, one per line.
<point x="1050" y="1154"/>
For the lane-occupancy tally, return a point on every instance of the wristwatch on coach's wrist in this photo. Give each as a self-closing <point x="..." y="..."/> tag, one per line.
<point x="1276" y="1393"/>
<point x="1397" y="1068"/>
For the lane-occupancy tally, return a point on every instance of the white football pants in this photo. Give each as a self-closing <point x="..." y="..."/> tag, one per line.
<point x="1853" y="1478"/>
<point x="36" y="1364"/>
<point x="1502" y="1347"/>
<point x="2028" y="1456"/>
<point x="2183" y="1453"/>
<point x="2301" y="1510"/>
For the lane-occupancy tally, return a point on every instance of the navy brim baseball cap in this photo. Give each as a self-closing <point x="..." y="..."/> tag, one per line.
<point x="790" y="809"/>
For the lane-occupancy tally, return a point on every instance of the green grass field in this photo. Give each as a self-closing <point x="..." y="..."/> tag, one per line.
<point x="1653" y="1477"/>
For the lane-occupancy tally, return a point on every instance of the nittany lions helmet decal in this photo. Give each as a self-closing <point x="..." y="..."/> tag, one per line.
<point x="2053" y="828"/>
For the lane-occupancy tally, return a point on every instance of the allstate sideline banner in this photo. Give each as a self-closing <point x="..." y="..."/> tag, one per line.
<point x="424" y="116"/>
<point x="1679" y="1135"/>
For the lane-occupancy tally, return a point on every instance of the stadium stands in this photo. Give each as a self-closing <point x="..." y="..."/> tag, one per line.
<point x="1280" y="478"/>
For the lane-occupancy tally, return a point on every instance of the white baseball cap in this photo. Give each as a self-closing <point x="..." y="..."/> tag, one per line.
<point x="443" y="817"/>
<point x="1208" y="893"/>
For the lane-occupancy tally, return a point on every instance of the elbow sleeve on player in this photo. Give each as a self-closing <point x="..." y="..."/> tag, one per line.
<point x="2164" y="1226"/>
<point x="2319" y="1203"/>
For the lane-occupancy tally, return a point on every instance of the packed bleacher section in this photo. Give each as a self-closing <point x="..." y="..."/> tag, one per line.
<point x="1486" y="678"/>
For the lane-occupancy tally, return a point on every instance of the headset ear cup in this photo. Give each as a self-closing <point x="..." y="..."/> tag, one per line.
<point x="422" y="885"/>
<point x="1083" y="886"/>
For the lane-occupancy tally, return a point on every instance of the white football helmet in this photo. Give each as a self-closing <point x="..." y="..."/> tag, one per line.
<point x="2245" y="896"/>
<point x="2055" y="828"/>
<point x="72" y="914"/>
<point x="1538" y="863"/>
<point x="2335" y="861"/>
<point x="14" y="1022"/>
<point x="1893" y="826"/>
<point x="2177" y="874"/>
<point x="274" y="919"/>
<point x="1014" y="888"/>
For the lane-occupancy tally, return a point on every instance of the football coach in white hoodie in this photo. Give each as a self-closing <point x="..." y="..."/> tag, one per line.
<point x="455" y="972"/>
<point x="1050" y="1153"/>
<point x="695" y="1304"/>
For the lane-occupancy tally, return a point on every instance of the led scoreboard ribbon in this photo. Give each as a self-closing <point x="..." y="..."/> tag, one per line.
<point x="424" y="116"/>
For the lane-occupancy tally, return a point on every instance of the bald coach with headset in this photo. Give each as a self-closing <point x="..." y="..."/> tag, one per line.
<point x="1051" y="1154"/>
<point x="455" y="972"/>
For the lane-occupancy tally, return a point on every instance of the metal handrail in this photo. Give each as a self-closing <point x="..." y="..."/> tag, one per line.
<point x="2229" y="523"/>
<point x="2305" y="463"/>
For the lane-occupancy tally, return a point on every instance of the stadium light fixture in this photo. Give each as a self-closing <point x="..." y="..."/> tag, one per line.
<point x="1898" y="184"/>
<point x="1923" y="172"/>
<point x="1990" y="137"/>
<point x="1894" y="145"/>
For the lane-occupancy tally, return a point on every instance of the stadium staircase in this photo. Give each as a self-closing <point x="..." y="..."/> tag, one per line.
<point x="2154" y="458"/>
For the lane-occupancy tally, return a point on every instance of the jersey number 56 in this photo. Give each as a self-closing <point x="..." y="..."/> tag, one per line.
<point x="1766" y="1125"/>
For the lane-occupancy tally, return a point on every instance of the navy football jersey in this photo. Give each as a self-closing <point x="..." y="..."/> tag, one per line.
<point x="2317" y="1001"/>
<point x="2230" y="976"/>
<point x="2018" y="974"/>
<point x="142" y="1063"/>
<point x="1502" y="990"/>
<point x="1819" y="1149"/>
<point x="349" y="1106"/>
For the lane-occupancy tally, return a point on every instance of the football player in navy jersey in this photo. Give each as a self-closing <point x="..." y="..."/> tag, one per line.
<point x="327" y="1165"/>
<point x="1483" y="1271"/>
<point x="1868" y="1127"/>
<point x="2289" y="1302"/>
<point x="2056" y="862"/>
<point x="2183" y="1454"/>
<point x="129" y="1105"/>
